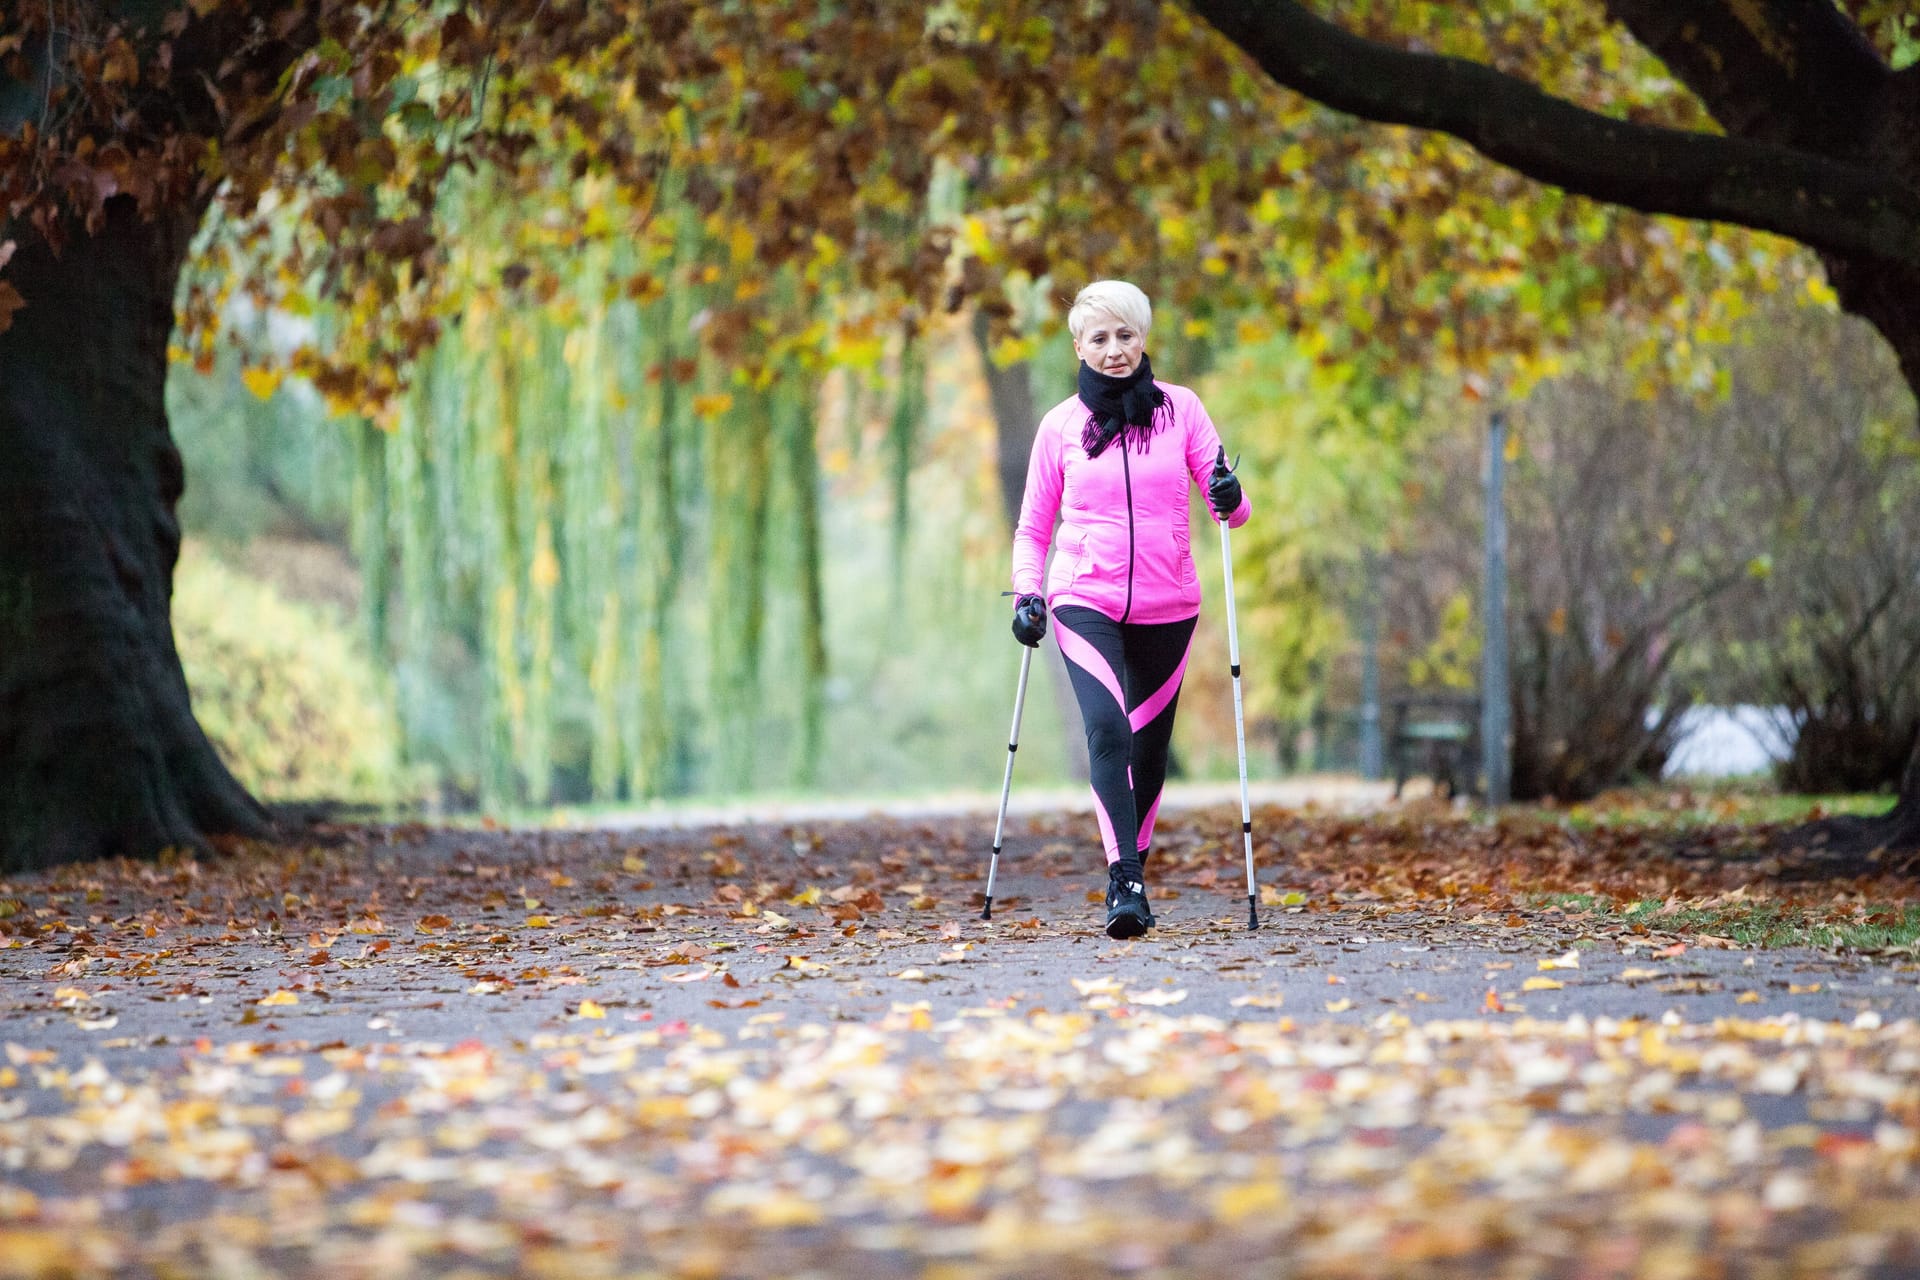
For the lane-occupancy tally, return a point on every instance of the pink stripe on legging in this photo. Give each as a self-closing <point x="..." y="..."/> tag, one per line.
<point x="1075" y="648"/>
<point x="1107" y="837"/>
<point x="1143" y="715"/>
<point x="1146" y="824"/>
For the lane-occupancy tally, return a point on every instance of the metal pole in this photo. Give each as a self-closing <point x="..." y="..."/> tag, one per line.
<point x="1372" y="758"/>
<point x="1496" y="763"/>
<point x="1006" y="783"/>
<point x="1239" y="713"/>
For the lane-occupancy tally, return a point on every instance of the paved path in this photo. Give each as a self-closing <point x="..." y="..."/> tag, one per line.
<point x="1324" y="793"/>
<point x="794" y="1050"/>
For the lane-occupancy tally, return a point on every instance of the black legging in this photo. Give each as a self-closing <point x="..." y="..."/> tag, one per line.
<point x="1127" y="678"/>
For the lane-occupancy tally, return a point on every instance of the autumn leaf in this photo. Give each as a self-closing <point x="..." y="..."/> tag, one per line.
<point x="10" y="302"/>
<point x="1156" y="999"/>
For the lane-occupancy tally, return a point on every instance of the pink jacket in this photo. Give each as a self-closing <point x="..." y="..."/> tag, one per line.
<point x="1124" y="524"/>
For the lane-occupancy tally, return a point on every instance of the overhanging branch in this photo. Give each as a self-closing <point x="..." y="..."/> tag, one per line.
<point x="1842" y="208"/>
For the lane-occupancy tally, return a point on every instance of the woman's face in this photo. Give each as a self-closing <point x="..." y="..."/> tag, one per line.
<point x="1110" y="345"/>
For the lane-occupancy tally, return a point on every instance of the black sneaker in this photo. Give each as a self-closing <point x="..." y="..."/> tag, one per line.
<point x="1128" y="915"/>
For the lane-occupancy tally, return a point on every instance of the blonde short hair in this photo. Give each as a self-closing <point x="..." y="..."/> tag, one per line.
<point x="1115" y="296"/>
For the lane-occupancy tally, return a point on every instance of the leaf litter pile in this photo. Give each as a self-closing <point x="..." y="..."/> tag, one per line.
<point x="798" y="1051"/>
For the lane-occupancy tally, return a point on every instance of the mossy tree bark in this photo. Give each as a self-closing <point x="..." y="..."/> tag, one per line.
<point x="99" y="751"/>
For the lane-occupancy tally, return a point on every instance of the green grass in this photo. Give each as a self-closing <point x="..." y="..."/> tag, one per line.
<point x="1670" y="808"/>
<point x="1762" y="923"/>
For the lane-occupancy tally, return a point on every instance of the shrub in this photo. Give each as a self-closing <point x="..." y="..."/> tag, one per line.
<point x="287" y="697"/>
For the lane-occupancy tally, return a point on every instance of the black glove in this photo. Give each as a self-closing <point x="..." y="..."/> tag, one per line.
<point x="1223" y="488"/>
<point x="1030" y="620"/>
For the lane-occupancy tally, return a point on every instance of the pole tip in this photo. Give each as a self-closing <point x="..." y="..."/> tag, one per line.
<point x="1253" y="914"/>
<point x="986" y="912"/>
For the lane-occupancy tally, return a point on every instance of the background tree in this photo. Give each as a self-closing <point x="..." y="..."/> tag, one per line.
<point x="1625" y="516"/>
<point x="1817" y="444"/>
<point x="1819" y="141"/>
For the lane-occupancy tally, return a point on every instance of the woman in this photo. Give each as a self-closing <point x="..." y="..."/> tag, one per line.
<point x="1114" y="462"/>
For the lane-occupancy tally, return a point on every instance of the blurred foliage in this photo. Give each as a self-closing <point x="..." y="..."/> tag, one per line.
<point x="290" y="701"/>
<point x="1323" y="460"/>
<point x="585" y="269"/>
<point x="1817" y="433"/>
<point x="887" y="724"/>
<point x="265" y="459"/>
<point x="1754" y="542"/>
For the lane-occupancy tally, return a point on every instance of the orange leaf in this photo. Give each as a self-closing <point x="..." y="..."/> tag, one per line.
<point x="10" y="299"/>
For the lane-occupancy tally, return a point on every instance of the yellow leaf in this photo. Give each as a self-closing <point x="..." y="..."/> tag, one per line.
<point x="1747" y="997"/>
<point x="588" y="1009"/>
<point x="545" y="570"/>
<point x="1541" y="984"/>
<point x="741" y="244"/>
<point x="712" y="406"/>
<point x="262" y="382"/>
<point x="807" y="897"/>
<point x="1248" y="1199"/>
<point x="279" y="997"/>
<point x="538" y="922"/>
<point x="1339" y="1006"/>
<point x="785" y="1208"/>
<point x="1571" y="960"/>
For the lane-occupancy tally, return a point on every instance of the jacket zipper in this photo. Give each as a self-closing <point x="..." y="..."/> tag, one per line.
<point x="1126" y="472"/>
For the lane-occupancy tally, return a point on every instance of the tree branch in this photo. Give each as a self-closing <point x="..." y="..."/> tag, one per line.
<point x="1852" y="210"/>
<point x="1797" y="72"/>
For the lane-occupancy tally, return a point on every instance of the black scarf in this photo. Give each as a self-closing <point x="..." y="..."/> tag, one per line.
<point x="1132" y="404"/>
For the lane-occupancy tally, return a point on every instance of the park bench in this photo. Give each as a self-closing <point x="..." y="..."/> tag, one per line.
<point x="1436" y="734"/>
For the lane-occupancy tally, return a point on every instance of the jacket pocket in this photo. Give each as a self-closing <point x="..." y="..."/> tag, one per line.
<point x="1183" y="551"/>
<point x="1070" y="562"/>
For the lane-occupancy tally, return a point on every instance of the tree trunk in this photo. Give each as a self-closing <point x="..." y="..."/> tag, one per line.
<point x="99" y="752"/>
<point x="1010" y="389"/>
<point x="1887" y="296"/>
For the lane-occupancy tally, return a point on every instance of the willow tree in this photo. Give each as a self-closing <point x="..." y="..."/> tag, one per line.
<point x="123" y="124"/>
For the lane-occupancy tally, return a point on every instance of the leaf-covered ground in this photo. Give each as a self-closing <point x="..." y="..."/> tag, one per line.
<point x="1453" y="1049"/>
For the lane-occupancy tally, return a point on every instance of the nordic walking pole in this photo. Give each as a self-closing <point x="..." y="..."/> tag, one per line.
<point x="1239" y="715"/>
<point x="1006" y="785"/>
